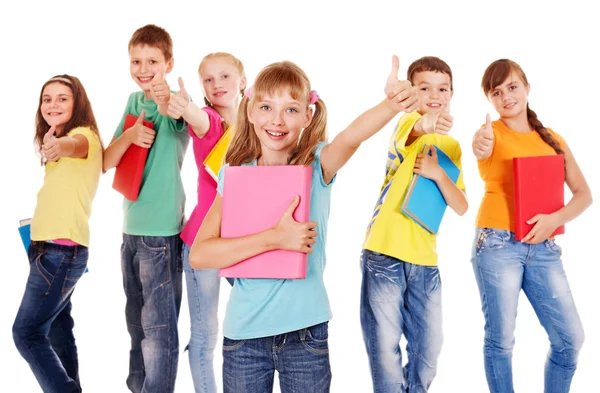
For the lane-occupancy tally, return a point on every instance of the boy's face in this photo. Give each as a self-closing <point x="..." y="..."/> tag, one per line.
<point x="433" y="89"/>
<point x="147" y="63"/>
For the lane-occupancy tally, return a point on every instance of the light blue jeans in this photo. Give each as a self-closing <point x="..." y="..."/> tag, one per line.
<point x="400" y="298"/>
<point x="503" y="266"/>
<point x="203" y="299"/>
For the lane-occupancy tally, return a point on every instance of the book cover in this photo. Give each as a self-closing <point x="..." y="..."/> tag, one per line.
<point x="215" y="159"/>
<point x="424" y="202"/>
<point x="254" y="198"/>
<point x="539" y="188"/>
<point x="128" y="175"/>
<point x="25" y="232"/>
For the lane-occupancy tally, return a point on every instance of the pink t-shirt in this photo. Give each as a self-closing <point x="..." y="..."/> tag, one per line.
<point x="207" y="186"/>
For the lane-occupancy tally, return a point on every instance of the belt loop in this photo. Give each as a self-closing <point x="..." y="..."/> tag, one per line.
<point x="303" y="334"/>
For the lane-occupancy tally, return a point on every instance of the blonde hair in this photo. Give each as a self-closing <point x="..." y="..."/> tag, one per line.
<point x="245" y="145"/>
<point x="226" y="56"/>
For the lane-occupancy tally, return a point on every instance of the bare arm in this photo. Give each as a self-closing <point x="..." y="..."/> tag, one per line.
<point x="76" y="146"/>
<point x="454" y="196"/>
<point x="211" y="251"/>
<point x="137" y="134"/>
<point x="582" y="195"/>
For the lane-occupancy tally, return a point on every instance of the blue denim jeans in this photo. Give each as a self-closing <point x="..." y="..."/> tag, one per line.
<point x="152" y="272"/>
<point x="398" y="298"/>
<point x="503" y="266"/>
<point x="301" y="358"/>
<point x="43" y="328"/>
<point x="203" y="299"/>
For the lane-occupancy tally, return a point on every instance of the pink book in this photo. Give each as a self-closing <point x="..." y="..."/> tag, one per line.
<point x="254" y="198"/>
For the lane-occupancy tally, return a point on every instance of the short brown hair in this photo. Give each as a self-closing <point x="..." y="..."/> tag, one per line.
<point x="429" y="63"/>
<point x="154" y="36"/>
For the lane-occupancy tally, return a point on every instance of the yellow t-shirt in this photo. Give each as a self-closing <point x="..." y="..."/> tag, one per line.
<point x="390" y="231"/>
<point x="64" y="203"/>
<point x="497" y="206"/>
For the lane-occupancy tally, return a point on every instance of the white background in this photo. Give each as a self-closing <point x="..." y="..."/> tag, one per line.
<point x="346" y="51"/>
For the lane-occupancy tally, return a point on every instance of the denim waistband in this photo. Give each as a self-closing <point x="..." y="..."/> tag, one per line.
<point x="71" y="251"/>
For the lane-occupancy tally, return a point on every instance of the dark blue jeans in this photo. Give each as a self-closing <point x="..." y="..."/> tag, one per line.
<point x="301" y="358"/>
<point x="152" y="272"/>
<point x="43" y="328"/>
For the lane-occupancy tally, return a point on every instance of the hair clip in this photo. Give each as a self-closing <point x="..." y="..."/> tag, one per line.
<point x="314" y="97"/>
<point x="248" y="92"/>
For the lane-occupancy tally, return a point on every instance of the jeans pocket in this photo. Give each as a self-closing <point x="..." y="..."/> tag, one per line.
<point x="433" y="283"/>
<point x="154" y="243"/>
<point x="232" y="345"/>
<point x="48" y="265"/>
<point x="375" y="257"/>
<point x="553" y="247"/>
<point x="492" y="239"/>
<point x="316" y="339"/>
<point x="155" y="271"/>
<point x="73" y="275"/>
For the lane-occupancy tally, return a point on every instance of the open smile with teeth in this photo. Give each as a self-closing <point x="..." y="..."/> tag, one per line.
<point x="275" y="133"/>
<point x="54" y="113"/>
<point x="145" y="79"/>
<point x="510" y="106"/>
<point x="434" y="105"/>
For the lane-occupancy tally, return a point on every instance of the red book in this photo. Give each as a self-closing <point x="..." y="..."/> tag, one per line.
<point x="254" y="198"/>
<point x="538" y="189"/>
<point x="128" y="175"/>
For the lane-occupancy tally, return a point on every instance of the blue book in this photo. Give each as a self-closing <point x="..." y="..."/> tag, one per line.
<point x="25" y="232"/>
<point x="424" y="202"/>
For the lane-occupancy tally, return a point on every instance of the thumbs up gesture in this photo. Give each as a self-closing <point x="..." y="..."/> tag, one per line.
<point x="292" y="235"/>
<point x="51" y="147"/>
<point x="436" y="122"/>
<point x="160" y="91"/>
<point x="483" y="140"/>
<point x="179" y="102"/>
<point x="426" y="164"/>
<point x="401" y="95"/>
<point x="139" y="134"/>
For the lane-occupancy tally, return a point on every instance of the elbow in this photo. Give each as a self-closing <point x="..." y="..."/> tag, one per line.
<point x="198" y="257"/>
<point x="462" y="209"/>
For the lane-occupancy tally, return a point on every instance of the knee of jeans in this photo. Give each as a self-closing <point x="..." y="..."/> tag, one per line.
<point x="19" y="337"/>
<point x="503" y="343"/>
<point x="204" y="340"/>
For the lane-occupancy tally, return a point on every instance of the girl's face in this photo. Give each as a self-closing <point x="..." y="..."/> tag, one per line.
<point x="510" y="97"/>
<point x="278" y="121"/>
<point x="57" y="105"/>
<point x="221" y="82"/>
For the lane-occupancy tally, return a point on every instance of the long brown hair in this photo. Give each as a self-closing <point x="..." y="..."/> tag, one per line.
<point x="496" y="74"/>
<point x="82" y="116"/>
<point x="285" y="75"/>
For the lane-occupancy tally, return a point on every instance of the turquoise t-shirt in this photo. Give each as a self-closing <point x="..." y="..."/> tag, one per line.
<point x="267" y="307"/>
<point x="159" y="209"/>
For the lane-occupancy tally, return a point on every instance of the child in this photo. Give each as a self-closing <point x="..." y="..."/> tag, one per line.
<point x="68" y="139"/>
<point x="503" y="266"/>
<point x="223" y="81"/>
<point x="151" y="249"/>
<point x="401" y="286"/>
<point x="282" y="324"/>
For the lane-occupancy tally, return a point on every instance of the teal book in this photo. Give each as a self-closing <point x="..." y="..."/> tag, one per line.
<point x="424" y="202"/>
<point x="25" y="232"/>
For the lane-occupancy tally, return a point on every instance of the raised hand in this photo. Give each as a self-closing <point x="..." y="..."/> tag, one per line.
<point x="292" y="235"/>
<point x="483" y="140"/>
<point x="179" y="102"/>
<point x="160" y="91"/>
<point x="51" y="147"/>
<point x="437" y="122"/>
<point x="427" y="165"/>
<point x="139" y="134"/>
<point x="401" y="95"/>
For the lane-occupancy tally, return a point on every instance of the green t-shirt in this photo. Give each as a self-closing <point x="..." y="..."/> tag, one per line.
<point x="159" y="209"/>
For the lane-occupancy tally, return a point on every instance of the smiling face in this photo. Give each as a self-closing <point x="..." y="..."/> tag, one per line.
<point x="57" y="105"/>
<point x="434" y="90"/>
<point x="278" y="120"/>
<point x="510" y="97"/>
<point x="221" y="82"/>
<point x="146" y="63"/>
